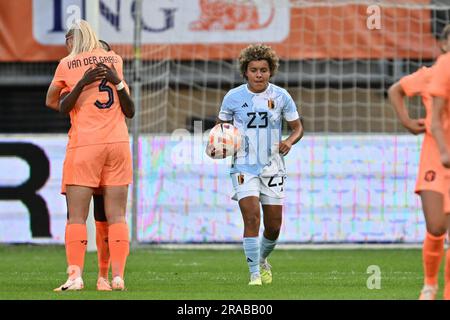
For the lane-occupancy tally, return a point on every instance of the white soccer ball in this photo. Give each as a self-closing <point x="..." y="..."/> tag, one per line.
<point x="224" y="141"/>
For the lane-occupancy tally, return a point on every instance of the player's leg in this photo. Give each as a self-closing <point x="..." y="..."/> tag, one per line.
<point x="430" y="185"/>
<point x="251" y="215"/>
<point x="81" y="174"/>
<point x="272" y="199"/>
<point x="447" y="255"/>
<point x="118" y="234"/>
<point x="272" y="225"/>
<point x="78" y="200"/>
<point x="101" y="237"/>
<point x="116" y="176"/>
<point x="246" y="192"/>
<point x="433" y="245"/>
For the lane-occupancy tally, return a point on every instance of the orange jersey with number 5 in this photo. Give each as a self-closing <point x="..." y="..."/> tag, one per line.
<point x="97" y="116"/>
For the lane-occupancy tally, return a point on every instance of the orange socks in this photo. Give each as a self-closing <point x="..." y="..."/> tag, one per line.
<point x="433" y="250"/>
<point x="101" y="237"/>
<point x="76" y="242"/>
<point x="119" y="247"/>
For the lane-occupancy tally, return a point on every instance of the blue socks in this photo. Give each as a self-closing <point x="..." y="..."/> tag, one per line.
<point x="251" y="249"/>
<point x="267" y="247"/>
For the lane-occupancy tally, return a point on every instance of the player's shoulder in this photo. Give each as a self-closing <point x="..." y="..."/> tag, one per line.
<point x="113" y="54"/>
<point x="236" y="93"/>
<point x="65" y="59"/>
<point x="443" y="58"/>
<point x="424" y="69"/>
<point x="277" y="90"/>
<point x="419" y="74"/>
<point x="63" y="65"/>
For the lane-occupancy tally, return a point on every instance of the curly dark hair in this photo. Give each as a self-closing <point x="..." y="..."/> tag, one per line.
<point x="257" y="52"/>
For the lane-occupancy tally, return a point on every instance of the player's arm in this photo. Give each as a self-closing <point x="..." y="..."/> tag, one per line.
<point x="439" y="105"/>
<point x="126" y="103"/>
<point x="295" y="136"/>
<point x="225" y="113"/>
<point x="52" y="98"/>
<point x="91" y="75"/>
<point x="218" y="120"/>
<point x="396" y="96"/>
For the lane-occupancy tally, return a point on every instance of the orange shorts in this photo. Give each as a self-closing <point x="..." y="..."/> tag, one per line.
<point x="433" y="176"/>
<point x="98" y="165"/>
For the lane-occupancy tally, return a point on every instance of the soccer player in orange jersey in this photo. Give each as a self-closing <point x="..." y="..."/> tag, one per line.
<point x="98" y="152"/>
<point x="431" y="184"/>
<point x="439" y="89"/>
<point x="101" y="224"/>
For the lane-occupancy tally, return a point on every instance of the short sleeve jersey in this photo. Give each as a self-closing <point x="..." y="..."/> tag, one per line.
<point x="417" y="84"/>
<point x="440" y="86"/>
<point x="258" y="117"/>
<point x="440" y="82"/>
<point x="97" y="116"/>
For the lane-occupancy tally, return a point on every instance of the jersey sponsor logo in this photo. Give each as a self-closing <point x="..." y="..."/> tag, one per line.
<point x="430" y="175"/>
<point x="249" y="260"/>
<point x="245" y="105"/>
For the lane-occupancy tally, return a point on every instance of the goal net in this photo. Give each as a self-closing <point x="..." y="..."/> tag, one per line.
<point x="350" y="179"/>
<point x="352" y="176"/>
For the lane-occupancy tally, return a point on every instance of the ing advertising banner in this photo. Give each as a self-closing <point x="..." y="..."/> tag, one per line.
<point x="33" y="30"/>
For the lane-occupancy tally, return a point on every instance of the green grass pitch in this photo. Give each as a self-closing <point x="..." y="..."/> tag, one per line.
<point x="31" y="272"/>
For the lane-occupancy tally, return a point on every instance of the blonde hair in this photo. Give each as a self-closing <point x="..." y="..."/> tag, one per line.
<point x="84" y="38"/>
<point x="256" y="52"/>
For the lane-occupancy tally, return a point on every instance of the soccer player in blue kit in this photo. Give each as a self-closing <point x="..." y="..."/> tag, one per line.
<point x="258" y="173"/>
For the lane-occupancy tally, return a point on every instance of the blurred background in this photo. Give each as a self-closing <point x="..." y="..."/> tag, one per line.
<point x="350" y="179"/>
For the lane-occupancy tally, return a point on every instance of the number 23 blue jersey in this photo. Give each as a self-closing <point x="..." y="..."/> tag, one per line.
<point x="258" y="116"/>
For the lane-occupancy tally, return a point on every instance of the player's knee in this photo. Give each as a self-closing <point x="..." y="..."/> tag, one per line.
<point x="272" y="232"/>
<point x="112" y="219"/>
<point x="437" y="230"/>
<point x="76" y="220"/>
<point x="252" y="221"/>
<point x="115" y="215"/>
<point x="99" y="208"/>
